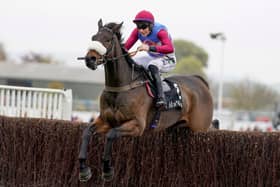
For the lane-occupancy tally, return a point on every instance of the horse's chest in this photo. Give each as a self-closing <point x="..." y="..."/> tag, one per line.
<point x="116" y="110"/>
<point x="117" y="101"/>
<point x="117" y="115"/>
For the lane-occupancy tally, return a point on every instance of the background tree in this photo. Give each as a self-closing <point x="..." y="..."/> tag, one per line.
<point x="189" y="65"/>
<point x="249" y="95"/>
<point x="39" y="58"/>
<point x="3" y="54"/>
<point x="191" y="59"/>
<point x="187" y="49"/>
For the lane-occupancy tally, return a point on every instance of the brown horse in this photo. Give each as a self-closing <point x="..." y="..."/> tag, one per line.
<point x="126" y="109"/>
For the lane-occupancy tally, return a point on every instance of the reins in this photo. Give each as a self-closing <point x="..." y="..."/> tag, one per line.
<point x="131" y="54"/>
<point x="109" y="57"/>
<point x="105" y="58"/>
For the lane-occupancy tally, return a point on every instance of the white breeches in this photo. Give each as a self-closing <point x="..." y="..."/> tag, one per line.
<point x="164" y="64"/>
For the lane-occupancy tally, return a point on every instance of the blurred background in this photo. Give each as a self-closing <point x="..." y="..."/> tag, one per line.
<point x="234" y="45"/>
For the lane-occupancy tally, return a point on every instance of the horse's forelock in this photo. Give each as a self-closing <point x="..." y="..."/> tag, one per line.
<point x="111" y="26"/>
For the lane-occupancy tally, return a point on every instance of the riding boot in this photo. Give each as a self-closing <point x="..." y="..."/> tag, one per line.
<point x="160" y="100"/>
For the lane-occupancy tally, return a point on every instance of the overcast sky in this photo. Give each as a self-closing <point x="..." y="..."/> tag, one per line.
<point x="64" y="28"/>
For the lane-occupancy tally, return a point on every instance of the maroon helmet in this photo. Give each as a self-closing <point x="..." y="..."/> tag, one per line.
<point x="145" y="16"/>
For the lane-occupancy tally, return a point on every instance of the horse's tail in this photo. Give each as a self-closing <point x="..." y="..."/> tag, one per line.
<point x="202" y="79"/>
<point x="215" y="125"/>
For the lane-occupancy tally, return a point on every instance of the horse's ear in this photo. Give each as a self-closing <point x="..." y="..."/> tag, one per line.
<point x="100" y="24"/>
<point x="117" y="27"/>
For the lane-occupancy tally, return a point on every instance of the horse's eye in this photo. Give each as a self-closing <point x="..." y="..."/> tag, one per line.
<point x="93" y="38"/>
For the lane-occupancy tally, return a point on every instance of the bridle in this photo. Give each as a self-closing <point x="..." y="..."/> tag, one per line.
<point x="108" y="57"/>
<point x="109" y="50"/>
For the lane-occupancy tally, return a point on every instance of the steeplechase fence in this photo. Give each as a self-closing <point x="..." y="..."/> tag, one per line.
<point x="35" y="102"/>
<point x="40" y="152"/>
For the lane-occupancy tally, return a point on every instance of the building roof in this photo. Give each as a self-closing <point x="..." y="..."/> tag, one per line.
<point x="51" y="72"/>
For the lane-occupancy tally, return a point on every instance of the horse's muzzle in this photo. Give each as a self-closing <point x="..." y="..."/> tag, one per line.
<point x="91" y="62"/>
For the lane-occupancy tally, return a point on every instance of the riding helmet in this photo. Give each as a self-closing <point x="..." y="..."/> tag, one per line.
<point x="144" y="15"/>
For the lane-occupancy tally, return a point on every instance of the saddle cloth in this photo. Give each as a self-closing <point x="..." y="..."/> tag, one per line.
<point x="172" y="94"/>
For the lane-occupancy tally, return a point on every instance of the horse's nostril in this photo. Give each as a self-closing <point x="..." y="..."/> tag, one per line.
<point x="93" y="58"/>
<point x="90" y="59"/>
<point x="91" y="62"/>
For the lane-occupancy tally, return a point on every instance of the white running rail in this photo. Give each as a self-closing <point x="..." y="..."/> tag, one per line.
<point x="19" y="101"/>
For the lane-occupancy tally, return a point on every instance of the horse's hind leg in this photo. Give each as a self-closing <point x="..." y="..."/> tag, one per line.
<point x="200" y="117"/>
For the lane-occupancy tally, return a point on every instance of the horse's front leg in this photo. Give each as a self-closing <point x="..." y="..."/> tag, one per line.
<point x="130" y="128"/>
<point x="85" y="172"/>
<point x="97" y="127"/>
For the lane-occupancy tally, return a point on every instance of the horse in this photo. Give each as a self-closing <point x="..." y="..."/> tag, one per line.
<point x="126" y="108"/>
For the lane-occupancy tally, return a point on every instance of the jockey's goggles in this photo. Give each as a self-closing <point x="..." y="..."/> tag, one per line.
<point x="142" y="25"/>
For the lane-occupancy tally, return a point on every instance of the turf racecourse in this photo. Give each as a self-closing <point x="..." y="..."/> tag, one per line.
<point x="44" y="153"/>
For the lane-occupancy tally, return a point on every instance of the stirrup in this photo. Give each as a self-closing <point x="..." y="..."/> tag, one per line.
<point x="160" y="103"/>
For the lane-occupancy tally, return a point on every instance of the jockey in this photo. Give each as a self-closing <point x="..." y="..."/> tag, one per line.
<point x="158" y="44"/>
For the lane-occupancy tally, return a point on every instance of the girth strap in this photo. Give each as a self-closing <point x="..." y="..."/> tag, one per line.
<point x="126" y="87"/>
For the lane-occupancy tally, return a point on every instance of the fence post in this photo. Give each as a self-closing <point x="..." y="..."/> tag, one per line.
<point x="67" y="110"/>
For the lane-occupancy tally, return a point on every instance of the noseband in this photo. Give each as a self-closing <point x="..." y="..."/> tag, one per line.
<point x="107" y="57"/>
<point x="109" y="50"/>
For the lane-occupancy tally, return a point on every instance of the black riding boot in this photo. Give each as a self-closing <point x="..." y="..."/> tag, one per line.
<point x="160" y="102"/>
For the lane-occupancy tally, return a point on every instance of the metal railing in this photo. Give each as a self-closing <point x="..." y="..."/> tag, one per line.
<point x="19" y="101"/>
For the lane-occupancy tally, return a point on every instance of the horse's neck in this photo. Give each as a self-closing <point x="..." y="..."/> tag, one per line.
<point x="118" y="72"/>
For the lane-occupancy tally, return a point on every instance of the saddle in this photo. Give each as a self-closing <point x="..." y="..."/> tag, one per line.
<point x="173" y="98"/>
<point x="172" y="94"/>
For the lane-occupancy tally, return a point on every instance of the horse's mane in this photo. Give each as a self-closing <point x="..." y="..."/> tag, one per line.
<point x="124" y="51"/>
<point x="131" y="61"/>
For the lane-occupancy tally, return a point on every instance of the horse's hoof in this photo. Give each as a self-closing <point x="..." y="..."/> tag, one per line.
<point x="108" y="176"/>
<point x="85" y="174"/>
